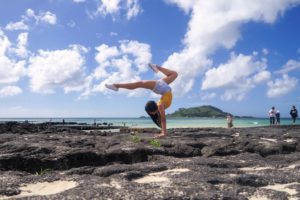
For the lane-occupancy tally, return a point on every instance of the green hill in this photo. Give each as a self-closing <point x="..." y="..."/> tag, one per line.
<point x="201" y="111"/>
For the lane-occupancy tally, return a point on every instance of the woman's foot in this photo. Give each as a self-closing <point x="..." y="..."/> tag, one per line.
<point x="111" y="87"/>
<point x="153" y="67"/>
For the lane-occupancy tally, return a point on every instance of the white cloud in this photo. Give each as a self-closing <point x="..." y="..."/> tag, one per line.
<point x="140" y="52"/>
<point x="215" y="24"/>
<point x="21" y="47"/>
<point x="105" y="52"/>
<point x="238" y="68"/>
<point x="291" y="65"/>
<point x="124" y="63"/>
<point x="236" y="77"/>
<point x="14" y="26"/>
<point x="10" y="70"/>
<point x="57" y="69"/>
<point x="261" y="77"/>
<point x="31" y="18"/>
<point x="109" y="7"/>
<point x="113" y="34"/>
<point x="265" y="51"/>
<point x="29" y="13"/>
<point x="47" y="17"/>
<point x="282" y="86"/>
<point x="133" y="9"/>
<point x="117" y="7"/>
<point x="4" y="43"/>
<point x="9" y="91"/>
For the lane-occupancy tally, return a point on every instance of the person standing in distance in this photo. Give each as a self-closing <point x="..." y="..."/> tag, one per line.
<point x="277" y="117"/>
<point x="272" y="113"/>
<point x="294" y="114"/>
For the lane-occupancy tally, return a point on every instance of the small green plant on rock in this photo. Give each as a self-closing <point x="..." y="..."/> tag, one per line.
<point x="42" y="172"/>
<point x="135" y="139"/>
<point x="154" y="143"/>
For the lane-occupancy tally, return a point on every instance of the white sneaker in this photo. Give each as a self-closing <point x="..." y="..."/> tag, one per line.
<point x="153" y="67"/>
<point x="112" y="87"/>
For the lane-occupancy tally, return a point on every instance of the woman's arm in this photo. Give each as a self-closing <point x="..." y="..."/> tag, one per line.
<point x="161" y="109"/>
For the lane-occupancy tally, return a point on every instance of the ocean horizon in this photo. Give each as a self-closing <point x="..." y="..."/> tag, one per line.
<point x="147" y="122"/>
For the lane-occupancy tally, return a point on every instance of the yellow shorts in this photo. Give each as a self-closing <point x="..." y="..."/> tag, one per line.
<point x="166" y="99"/>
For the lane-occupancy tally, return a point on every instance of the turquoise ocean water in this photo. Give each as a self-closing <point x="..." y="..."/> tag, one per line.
<point x="171" y="123"/>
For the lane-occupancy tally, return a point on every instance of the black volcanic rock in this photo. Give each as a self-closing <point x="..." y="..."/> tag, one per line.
<point x="194" y="163"/>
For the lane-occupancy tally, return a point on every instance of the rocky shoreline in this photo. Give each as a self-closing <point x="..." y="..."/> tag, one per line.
<point x="47" y="161"/>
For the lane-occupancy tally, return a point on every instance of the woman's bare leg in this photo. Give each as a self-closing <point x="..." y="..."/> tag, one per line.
<point x="139" y="84"/>
<point x="170" y="74"/>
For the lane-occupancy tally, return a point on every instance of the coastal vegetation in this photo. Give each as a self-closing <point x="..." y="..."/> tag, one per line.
<point x="200" y="111"/>
<point x="155" y="143"/>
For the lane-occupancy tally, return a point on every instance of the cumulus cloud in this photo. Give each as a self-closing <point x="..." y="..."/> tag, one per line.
<point x="123" y="63"/>
<point x="4" y="43"/>
<point x="239" y="67"/>
<point x="57" y="69"/>
<point x="131" y="8"/>
<point x="109" y="6"/>
<point x="291" y="65"/>
<point x="10" y="70"/>
<point x="9" y="91"/>
<point x="13" y="26"/>
<point x="216" y="24"/>
<point x="238" y="76"/>
<point x="31" y="18"/>
<point x="281" y="86"/>
<point x="46" y="17"/>
<point x="261" y="77"/>
<point x="21" y="47"/>
<point x="42" y="17"/>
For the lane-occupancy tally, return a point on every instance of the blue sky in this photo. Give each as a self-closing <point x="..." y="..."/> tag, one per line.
<point x="56" y="55"/>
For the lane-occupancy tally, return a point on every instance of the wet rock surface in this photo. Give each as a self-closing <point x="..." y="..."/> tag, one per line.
<point x="63" y="162"/>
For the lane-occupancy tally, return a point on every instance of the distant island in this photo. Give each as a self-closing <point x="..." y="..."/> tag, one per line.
<point x="201" y="111"/>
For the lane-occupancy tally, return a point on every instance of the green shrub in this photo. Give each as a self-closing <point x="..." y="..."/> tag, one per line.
<point x="154" y="143"/>
<point x="135" y="139"/>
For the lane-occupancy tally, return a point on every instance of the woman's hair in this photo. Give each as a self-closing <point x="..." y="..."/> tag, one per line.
<point x="151" y="106"/>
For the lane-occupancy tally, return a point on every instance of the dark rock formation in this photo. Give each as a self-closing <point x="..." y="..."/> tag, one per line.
<point x="195" y="163"/>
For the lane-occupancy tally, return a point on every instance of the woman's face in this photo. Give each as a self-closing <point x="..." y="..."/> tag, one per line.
<point x="153" y="112"/>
